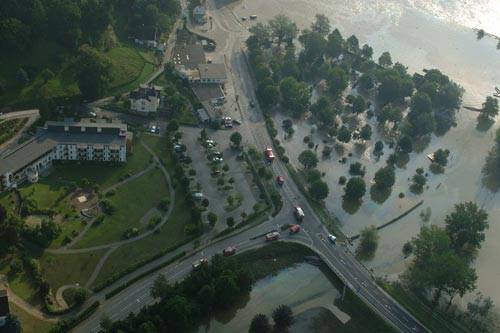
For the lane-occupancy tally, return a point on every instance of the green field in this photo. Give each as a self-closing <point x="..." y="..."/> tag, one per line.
<point x="63" y="269"/>
<point x="132" y="201"/>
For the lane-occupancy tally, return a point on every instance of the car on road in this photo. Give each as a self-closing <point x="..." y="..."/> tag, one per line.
<point x="229" y="251"/>
<point x="295" y="228"/>
<point x="299" y="213"/>
<point x="198" y="263"/>
<point x="272" y="236"/>
<point x="243" y="18"/>
<point x="280" y="180"/>
<point x="93" y="114"/>
<point x="269" y="154"/>
<point x="332" y="239"/>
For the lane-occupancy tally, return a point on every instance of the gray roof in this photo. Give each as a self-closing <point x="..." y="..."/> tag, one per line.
<point x="212" y="71"/>
<point x="119" y="125"/>
<point x="35" y="148"/>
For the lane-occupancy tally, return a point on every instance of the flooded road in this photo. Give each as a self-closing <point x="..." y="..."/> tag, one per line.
<point x="303" y="288"/>
<point x="420" y="34"/>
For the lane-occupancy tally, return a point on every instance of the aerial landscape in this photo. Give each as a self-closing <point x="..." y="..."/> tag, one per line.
<point x="249" y="166"/>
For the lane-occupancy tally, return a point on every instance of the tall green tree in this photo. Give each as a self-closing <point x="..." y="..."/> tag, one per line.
<point x="260" y="324"/>
<point x="465" y="227"/>
<point x="92" y="72"/>
<point x="283" y="29"/>
<point x="335" y="44"/>
<point x="368" y="243"/>
<point x="385" y="59"/>
<point x="355" y="188"/>
<point x="296" y="96"/>
<point x="321" y="25"/>
<point x="385" y="177"/>
<point x="337" y="80"/>
<point x="308" y="159"/>
<point x="283" y="318"/>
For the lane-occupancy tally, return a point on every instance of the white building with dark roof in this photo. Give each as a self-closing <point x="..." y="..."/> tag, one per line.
<point x="65" y="140"/>
<point x="145" y="99"/>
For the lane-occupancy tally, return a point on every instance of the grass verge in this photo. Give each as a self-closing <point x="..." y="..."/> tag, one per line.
<point x="29" y="323"/>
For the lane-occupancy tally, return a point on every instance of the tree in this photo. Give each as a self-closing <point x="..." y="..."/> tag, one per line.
<point x="106" y="323"/>
<point x="407" y="249"/>
<point x="478" y="317"/>
<point x="323" y="112"/>
<point x="465" y="227"/>
<point x="419" y="181"/>
<point x="441" y="157"/>
<point x="335" y="44"/>
<point x="366" y="132"/>
<point x="296" y="96"/>
<point x="283" y="318"/>
<point x="177" y="312"/>
<point x="14" y="35"/>
<point x="260" y="324"/>
<point x="355" y="188"/>
<point x="161" y="288"/>
<point x="480" y="34"/>
<point x="367" y="81"/>
<point x="230" y="221"/>
<point x="269" y="95"/>
<point x="489" y="109"/>
<point x="321" y="25"/>
<point x="367" y="51"/>
<point x="22" y="77"/>
<point x="212" y="219"/>
<point x="344" y="135"/>
<point x="92" y="72"/>
<point x="358" y="104"/>
<point x="379" y="148"/>
<point x="405" y="144"/>
<point x="319" y="190"/>
<point x="172" y="126"/>
<point x="236" y="139"/>
<point x="352" y="44"/>
<point x="262" y="34"/>
<point x="80" y="295"/>
<point x="368" y="243"/>
<point x="314" y="46"/>
<point x="385" y="177"/>
<point x="308" y="159"/>
<point x="385" y="59"/>
<point x="390" y="113"/>
<point x="337" y="81"/>
<point x="420" y="117"/>
<point x="436" y="266"/>
<point x="47" y="75"/>
<point x="283" y="29"/>
<point x="357" y="169"/>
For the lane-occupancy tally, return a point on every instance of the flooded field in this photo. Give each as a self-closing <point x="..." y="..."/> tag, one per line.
<point x="419" y="34"/>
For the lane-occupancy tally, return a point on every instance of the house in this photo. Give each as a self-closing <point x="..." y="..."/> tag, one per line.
<point x="4" y="306"/>
<point x="64" y="140"/>
<point x="145" y="99"/>
<point x="199" y="13"/>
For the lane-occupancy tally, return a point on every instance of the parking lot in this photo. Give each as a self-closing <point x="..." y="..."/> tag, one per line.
<point x="221" y="174"/>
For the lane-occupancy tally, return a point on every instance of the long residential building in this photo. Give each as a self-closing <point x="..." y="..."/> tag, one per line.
<point x="60" y="141"/>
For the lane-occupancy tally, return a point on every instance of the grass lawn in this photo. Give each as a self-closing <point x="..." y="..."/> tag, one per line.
<point x="104" y="175"/>
<point x="132" y="201"/>
<point x="63" y="269"/>
<point x="171" y="233"/>
<point x="29" y="323"/>
<point x="20" y="284"/>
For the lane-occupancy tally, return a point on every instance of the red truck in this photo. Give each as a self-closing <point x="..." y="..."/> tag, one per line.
<point x="294" y="229"/>
<point x="272" y="236"/>
<point x="269" y="154"/>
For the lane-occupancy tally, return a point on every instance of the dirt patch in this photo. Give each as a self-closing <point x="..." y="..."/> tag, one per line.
<point x="83" y="199"/>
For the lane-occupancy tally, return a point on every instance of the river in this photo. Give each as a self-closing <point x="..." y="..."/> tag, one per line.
<point x="420" y="34"/>
<point x="309" y="293"/>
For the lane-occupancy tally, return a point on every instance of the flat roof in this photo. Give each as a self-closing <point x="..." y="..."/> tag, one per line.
<point x="212" y="71"/>
<point x="119" y="125"/>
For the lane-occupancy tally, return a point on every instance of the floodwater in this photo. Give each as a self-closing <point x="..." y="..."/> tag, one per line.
<point x="303" y="288"/>
<point x="420" y="34"/>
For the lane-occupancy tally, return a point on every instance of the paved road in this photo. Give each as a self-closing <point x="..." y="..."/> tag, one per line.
<point x="32" y="116"/>
<point x="229" y="35"/>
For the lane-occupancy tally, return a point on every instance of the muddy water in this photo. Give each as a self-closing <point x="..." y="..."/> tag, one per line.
<point x="420" y="34"/>
<point x="303" y="288"/>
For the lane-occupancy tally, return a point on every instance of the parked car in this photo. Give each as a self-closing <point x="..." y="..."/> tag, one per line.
<point x="91" y="113"/>
<point x="272" y="236"/>
<point x="280" y="180"/>
<point x="153" y="129"/>
<point x="269" y="154"/>
<point x="229" y="251"/>
<point x="294" y="229"/>
<point x="198" y="195"/>
<point x="299" y="213"/>
<point x="332" y="239"/>
<point x="253" y="17"/>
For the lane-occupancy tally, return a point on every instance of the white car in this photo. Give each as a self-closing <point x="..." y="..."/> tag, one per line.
<point x="332" y="238"/>
<point x="153" y="129"/>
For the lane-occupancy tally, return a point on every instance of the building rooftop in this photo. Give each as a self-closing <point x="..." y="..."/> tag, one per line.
<point x="146" y="91"/>
<point x="212" y="71"/>
<point x="189" y="55"/>
<point x="46" y="141"/>
<point x="87" y="123"/>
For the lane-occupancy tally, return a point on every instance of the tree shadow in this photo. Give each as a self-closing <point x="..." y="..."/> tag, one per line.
<point x="359" y="148"/>
<point x="378" y="195"/>
<point x="225" y="316"/>
<point x="351" y="206"/>
<point x="484" y="124"/>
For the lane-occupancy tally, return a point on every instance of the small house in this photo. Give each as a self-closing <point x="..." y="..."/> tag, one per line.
<point x="145" y="99"/>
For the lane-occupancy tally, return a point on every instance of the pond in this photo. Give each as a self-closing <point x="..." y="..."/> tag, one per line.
<point x="304" y="288"/>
